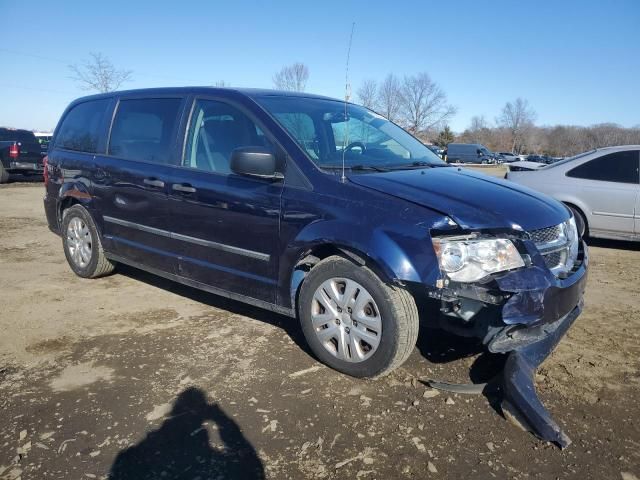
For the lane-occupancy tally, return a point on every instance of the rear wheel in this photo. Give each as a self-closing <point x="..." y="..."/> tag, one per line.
<point x="4" y="175"/>
<point x="82" y="245"/>
<point x="353" y="321"/>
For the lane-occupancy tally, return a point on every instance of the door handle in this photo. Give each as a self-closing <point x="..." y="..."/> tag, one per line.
<point x="185" y="188"/>
<point x="152" y="182"/>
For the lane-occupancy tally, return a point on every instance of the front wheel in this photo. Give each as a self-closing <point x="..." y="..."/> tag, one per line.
<point x="353" y="321"/>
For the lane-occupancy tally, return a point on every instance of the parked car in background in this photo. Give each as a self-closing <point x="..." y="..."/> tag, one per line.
<point x="507" y="157"/>
<point x="524" y="166"/>
<point x="19" y="153"/>
<point x="43" y="139"/>
<point x="601" y="187"/>
<point x="436" y="149"/>
<point x="469" y="153"/>
<point x="546" y="159"/>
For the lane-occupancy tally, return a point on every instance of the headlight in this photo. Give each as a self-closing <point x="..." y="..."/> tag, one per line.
<point x="470" y="260"/>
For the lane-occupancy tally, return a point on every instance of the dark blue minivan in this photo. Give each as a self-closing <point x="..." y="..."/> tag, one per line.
<point x="315" y="208"/>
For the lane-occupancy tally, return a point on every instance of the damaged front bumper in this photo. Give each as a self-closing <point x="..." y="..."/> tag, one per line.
<point x="524" y="314"/>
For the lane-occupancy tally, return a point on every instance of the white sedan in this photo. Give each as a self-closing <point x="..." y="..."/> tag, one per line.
<point x="601" y="187"/>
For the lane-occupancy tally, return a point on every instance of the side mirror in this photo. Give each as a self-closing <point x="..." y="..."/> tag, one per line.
<point x="257" y="162"/>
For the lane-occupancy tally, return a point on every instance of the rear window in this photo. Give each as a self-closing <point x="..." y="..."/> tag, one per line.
<point x="143" y="129"/>
<point x="81" y="127"/>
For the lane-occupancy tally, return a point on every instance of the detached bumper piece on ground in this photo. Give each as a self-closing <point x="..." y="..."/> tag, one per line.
<point x="520" y="401"/>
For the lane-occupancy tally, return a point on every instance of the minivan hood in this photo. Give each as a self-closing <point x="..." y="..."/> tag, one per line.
<point x="472" y="200"/>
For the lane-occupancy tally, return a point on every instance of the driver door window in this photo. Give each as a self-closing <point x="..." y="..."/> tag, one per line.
<point x="215" y="130"/>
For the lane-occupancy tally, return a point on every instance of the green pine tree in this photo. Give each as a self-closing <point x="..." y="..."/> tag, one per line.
<point x="445" y="137"/>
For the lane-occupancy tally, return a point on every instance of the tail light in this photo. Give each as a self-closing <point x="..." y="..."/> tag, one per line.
<point x="45" y="172"/>
<point x="14" y="150"/>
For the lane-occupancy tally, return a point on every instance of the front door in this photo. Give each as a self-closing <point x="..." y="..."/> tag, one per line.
<point x="227" y="225"/>
<point x="131" y="182"/>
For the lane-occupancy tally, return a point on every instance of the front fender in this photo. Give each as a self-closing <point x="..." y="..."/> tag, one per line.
<point x="397" y="254"/>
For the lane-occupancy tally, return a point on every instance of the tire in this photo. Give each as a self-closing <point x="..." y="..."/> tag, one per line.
<point x="83" y="249"/>
<point x="581" y="222"/>
<point x="4" y="175"/>
<point x="391" y="307"/>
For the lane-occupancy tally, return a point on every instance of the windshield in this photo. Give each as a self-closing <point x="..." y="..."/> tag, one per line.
<point x="364" y="138"/>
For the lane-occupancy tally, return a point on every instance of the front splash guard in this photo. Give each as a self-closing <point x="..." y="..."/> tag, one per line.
<point x="520" y="402"/>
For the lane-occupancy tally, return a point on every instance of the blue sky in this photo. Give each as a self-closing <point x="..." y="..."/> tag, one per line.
<point x="577" y="62"/>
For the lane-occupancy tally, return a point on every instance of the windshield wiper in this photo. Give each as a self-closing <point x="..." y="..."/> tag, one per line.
<point x="357" y="168"/>
<point x="368" y="167"/>
<point x="416" y="164"/>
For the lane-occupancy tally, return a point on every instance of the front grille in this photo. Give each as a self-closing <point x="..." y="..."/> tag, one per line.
<point x="545" y="235"/>
<point x="558" y="246"/>
<point x="553" y="260"/>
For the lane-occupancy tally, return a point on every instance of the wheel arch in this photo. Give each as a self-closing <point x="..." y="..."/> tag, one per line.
<point x="72" y="193"/>
<point x="311" y="256"/>
<point x="581" y="210"/>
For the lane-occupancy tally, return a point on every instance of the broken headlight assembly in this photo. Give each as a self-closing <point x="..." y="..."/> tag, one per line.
<point x="470" y="259"/>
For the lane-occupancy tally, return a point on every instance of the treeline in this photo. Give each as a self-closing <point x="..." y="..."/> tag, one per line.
<point x="420" y="105"/>
<point x="557" y="141"/>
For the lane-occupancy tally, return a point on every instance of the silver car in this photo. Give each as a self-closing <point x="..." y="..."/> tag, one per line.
<point x="601" y="187"/>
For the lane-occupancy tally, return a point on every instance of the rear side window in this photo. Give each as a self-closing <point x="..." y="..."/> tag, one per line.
<point x="81" y="127"/>
<point x="143" y="129"/>
<point x="619" y="167"/>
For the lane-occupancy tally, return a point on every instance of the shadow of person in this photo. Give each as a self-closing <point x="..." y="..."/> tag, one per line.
<point x="181" y="448"/>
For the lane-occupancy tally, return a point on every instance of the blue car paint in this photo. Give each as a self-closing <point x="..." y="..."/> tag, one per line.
<point x="472" y="200"/>
<point x="383" y="219"/>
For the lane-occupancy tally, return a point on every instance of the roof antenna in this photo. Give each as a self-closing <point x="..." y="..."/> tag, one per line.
<point x="347" y="94"/>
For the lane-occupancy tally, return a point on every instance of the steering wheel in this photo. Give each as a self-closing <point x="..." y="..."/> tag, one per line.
<point x="353" y="145"/>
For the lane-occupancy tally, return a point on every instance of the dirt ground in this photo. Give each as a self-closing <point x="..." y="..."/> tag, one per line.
<point x="131" y="376"/>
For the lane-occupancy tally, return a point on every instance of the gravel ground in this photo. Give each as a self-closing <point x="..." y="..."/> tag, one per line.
<point x="131" y="376"/>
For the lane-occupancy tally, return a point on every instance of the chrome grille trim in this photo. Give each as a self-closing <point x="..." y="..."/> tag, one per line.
<point x="556" y="247"/>
<point x="545" y="235"/>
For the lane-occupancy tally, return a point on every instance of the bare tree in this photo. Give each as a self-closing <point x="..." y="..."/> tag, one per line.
<point x="517" y="118"/>
<point x="368" y="93"/>
<point x="424" y="103"/>
<point x="292" y="77"/>
<point x="478" y="123"/>
<point x="99" y="74"/>
<point x="390" y="98"/>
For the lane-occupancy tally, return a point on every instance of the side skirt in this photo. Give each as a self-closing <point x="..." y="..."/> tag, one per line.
<point x="207" y="288"/>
